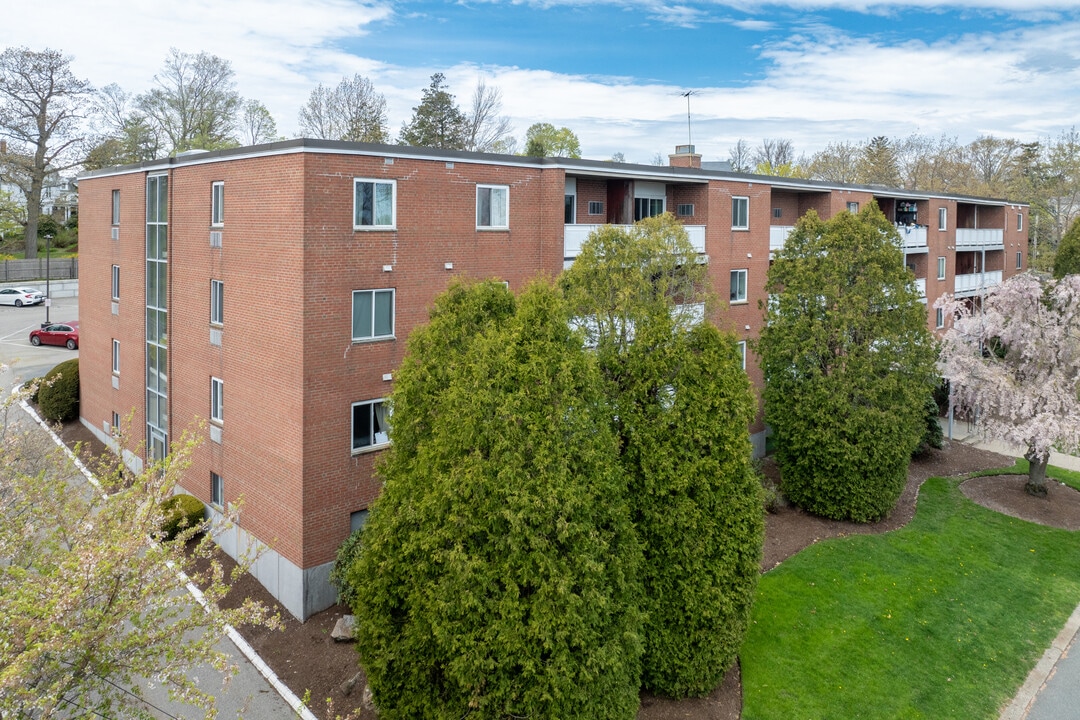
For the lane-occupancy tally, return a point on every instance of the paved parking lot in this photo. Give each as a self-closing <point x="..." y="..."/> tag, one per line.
<point x="25" y="360"/>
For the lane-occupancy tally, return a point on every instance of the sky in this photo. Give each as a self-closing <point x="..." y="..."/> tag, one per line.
<point x="616" y="71"/>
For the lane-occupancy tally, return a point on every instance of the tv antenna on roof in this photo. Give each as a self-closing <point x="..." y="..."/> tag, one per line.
<point x="687" y="94"/>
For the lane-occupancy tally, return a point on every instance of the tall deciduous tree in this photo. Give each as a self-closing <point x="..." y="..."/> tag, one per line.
<point x="498" y="571"/>
<point x="257" y="124"/>
<point x="92" y="605"/>
<point x="741" y="157"/>
<point x="838" y="162"/>
<point x="1015" y="363"/>
<point x="775" y="156"/>
<point x="195" y="104"/>
<point x="124" y="134"/>
<point x="680" y="405"/>
<point x="487" y="130"/>
<point x="42" y="105"/>
<point x="546" y="140"/>
<point x="437" y="121"/>
<point x="352" y="111"/>
<point x="848" y="365"/>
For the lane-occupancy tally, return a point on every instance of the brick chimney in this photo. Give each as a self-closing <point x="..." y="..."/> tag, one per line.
<point x="684" y="156"/>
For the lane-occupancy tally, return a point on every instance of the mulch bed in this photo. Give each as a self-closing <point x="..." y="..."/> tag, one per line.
<point x="306" y="658"/>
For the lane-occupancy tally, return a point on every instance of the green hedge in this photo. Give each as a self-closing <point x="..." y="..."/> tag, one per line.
<point x="58" y="395"/>
<point x="179" y="513"/>
<point x="346" y="556"/>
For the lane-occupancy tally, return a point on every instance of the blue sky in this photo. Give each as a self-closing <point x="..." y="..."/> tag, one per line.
<point x="813" y="71"/>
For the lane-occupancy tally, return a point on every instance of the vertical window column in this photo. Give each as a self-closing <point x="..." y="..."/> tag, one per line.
<point x="157" y="323"/>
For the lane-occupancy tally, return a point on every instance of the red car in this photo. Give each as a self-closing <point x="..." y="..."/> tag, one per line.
<point x="58" y="334"/>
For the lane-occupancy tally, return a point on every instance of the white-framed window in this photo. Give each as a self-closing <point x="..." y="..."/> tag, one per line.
<point x="684" y="209"/>
<point x="374" y="204"/>
<point x="646" y="207"/>
<point x="217" y="302"/>
<point x="778" y="212"/>
<point x="939" y="318"/>
<point x="1019" y="260"/>
<point x="596" y="207"/>
<point x="217" y="402"/>
<point x="116" y="283"/>
<point x="217" y="204"/>
<point x="943" y="218"/>
<point x="738" y="286"/>
<point x="740" y="213"/>
<point x="742" y="352"/>
<point x="941" y="268"/>
<point x="217" y="490"/>
<point x="370" y="428"/>
<point x="493" y="207"/>
<point x="115" y="207"/>
<point x="115" y="427"/>
<point x="853" y="207"/>
<point x="372" y="314"/>
<point x="116" y="357"/>
<point x="569" y="209"/>
<point x="1019" y="221"/>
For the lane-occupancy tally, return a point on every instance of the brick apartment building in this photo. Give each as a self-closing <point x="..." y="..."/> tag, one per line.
<point x="268" y="291"/>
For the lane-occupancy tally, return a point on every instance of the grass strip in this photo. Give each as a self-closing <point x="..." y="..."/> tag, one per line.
<point x="942" y="618"/>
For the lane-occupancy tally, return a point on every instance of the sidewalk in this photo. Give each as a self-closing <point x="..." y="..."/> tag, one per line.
<point x="1052" y="688"/>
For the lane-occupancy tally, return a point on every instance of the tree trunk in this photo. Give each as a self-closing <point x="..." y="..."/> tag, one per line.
<point x="1036" y="483"/>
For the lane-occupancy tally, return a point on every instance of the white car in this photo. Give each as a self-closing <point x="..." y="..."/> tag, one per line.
<point x="19" y="296"/>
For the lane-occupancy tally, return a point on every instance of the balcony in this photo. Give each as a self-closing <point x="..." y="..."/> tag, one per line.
<point x="981" y="238"/>
<point x="920" y="284"/>
<point x="778" y="235"/>
<point x="574" y="237"/>
<point x="912" y="237"/>
<point x="977" y="282"/>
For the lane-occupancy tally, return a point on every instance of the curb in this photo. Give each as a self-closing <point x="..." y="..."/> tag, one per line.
<point x="1044" y="669"/>
<point x="238" y="641"/>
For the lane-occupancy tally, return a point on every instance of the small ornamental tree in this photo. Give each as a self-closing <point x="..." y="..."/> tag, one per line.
<point x="498" y="573"/>
<point x="1067" y="258"/>
<point x="680" y="405"/>
<point x="1014" y="363"/>
<point x="848" y="365"/>
<point x="91" y="604"/>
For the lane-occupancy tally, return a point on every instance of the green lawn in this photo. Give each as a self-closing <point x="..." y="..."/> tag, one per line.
<point x="941" y="619"/>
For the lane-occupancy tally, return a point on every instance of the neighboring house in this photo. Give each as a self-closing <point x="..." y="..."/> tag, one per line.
<point x="267" y="292"/>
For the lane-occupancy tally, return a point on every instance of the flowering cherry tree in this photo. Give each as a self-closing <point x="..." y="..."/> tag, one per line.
<point x="1015" y="362"/>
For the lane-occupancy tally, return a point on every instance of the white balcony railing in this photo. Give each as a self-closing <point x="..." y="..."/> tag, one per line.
<point x="977" y="281"/>
<point x="574" y="237"/>
<point x="920" y="283"/>
<point x="983" y="237"/>
<point x="778" y="235"/>
<point x="912" y="236"/>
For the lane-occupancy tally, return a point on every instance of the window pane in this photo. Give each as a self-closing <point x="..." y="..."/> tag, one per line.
<point x="362" y="312"/>
<point x="483" y="207"/>
<point x="498" y="207"/>
<point x="361" y="426"/>
<point x="384" y="313"/>
<point x="384" y="204"/>
<point x="364" y="211"/>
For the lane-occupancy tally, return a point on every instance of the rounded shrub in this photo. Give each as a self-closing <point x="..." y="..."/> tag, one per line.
<point x="58" y="395"/>
<point x="179" y="513"/>
<point x="339" y="574"/>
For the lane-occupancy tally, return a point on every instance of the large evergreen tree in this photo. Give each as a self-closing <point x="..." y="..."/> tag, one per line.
<point x="498" y="574"/>
<point x="848" y="365"/>
<point x="437" y="121"/>
<point x="680" y="405"/>
<point x="1067" y="259"/>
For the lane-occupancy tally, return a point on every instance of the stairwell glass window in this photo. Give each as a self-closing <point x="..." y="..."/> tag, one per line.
<point x="740" y="213"/>
<point x="217" y="302"/>
<point x="738" y="286"/>
<point x="116" y="283"/>
<point x="115" y="207"/>
<point x="941" y="268"/>
<point x="372" y="314"/>
<point x="492" y="207"/>
<point x="942" y="218"/>
<point x="369" y="425"/>
<point x="1019" y="261"/>
<point x="374" y="203"/>
<point x="217" y="403"/>
<point x="217" y="204"/>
